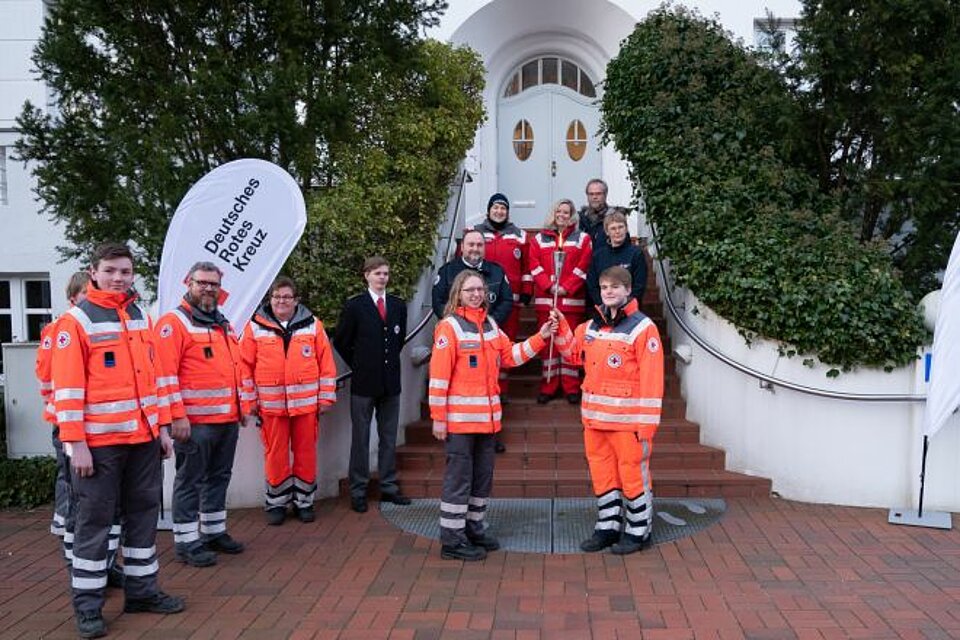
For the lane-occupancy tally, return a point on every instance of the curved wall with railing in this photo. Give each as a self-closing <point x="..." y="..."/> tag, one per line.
<point x="852" y="440"/>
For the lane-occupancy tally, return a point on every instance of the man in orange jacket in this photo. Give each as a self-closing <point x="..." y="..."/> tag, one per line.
<point x="114" y="422"/>
<point x="202" y="369"/>
<point x="622" y="395"/>
<point x="287" y="354"/>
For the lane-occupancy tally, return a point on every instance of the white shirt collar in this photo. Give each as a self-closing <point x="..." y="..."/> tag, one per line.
<point x="376" y="296"/>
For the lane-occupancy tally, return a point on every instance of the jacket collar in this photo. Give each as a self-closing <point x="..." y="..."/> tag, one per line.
<point x="264" y="317"/>
<point x="477" y="316"/>
<point x="609" y="319"/>
<point x="110" y="299"/>
<point x="205" y="318"/>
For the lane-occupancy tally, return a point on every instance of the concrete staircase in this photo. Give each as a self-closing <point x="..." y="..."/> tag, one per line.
<point x="545" y="455"/>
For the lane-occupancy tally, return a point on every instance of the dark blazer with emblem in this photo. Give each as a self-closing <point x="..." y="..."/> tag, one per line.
<point x="371" y="346"/>
<point x="499" y="294"/>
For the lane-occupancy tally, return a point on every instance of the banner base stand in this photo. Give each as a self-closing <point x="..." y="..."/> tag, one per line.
<point x="910" y="517"/>
<point x="164" y="523"/>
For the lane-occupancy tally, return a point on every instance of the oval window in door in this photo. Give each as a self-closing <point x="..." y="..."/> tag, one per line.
<point x="523" y="140"/>
<point x="576" y="140"/>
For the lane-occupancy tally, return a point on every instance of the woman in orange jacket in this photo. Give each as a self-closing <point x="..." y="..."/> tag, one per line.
<point x="287" y="354"/>
<point x="464" y="396"/>
<point x="622" y="357"/>
<point x="561" y="238"/>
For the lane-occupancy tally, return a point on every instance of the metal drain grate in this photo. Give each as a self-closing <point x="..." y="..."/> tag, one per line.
<point x="557" y="525"/>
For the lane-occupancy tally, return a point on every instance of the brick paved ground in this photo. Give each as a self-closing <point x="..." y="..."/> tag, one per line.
<point x="770" y="570"/>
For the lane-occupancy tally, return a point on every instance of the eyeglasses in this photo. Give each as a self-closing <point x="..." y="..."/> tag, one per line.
<point x="206" y="284"/>
<point x="474" y="290"/>
<point x="283" y="298"/>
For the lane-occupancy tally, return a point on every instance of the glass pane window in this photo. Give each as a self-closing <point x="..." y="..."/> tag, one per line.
<point x="38" y="294"/>
<point x="4" y="294"/>
<point x="513" y="87"/>
<point x="523" y="140"/>
<point x="569" y="75"/>
<point x="551" y="72"/>
<point x="586" y="86"/>
<point x="6" y="333"/>
<point x="35" y="324"/>
<point x="530" y="74"/>
<point x="576" y="140"/>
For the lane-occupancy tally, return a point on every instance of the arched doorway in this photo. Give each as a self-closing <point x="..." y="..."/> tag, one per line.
<point x="547" y="136"/>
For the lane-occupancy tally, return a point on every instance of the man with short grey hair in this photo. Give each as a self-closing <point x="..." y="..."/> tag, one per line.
<point x="594" y="212"/>
<point x="202" y="368"/>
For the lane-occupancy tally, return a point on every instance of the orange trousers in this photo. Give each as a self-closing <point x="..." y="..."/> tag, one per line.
<point x="620" y="471"/>
<point x="618" y="460"/>
<point x="283" y="435"/>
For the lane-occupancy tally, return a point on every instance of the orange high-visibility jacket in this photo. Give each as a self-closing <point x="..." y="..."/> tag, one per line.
<point x="43" y="368"/>
<point x="202" y="367"/>
<point x="105" y="376"/>
<point x="623" y="362"/>
<point x="468" y="351"/>
<point x="577" y="249"/>
<point x="294" y="371"/>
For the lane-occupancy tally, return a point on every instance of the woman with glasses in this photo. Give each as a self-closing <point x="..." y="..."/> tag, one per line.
<point x="289" y="357"/>
<point x="469" y="349"/>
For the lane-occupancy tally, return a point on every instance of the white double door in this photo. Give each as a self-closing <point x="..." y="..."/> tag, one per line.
<point x="547" y="150"/>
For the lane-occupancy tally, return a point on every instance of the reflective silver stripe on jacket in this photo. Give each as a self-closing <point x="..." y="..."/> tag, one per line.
<point x="212" y="410"/>
<point x="619" y="418"/>
<point x="192" y="394"/>
<point x="614" y="401"/>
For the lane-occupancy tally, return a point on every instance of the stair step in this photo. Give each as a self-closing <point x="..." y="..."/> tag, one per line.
<point x="522" y="454"/>
<point x="536" y="483"/>
<point x="671" y="431"/>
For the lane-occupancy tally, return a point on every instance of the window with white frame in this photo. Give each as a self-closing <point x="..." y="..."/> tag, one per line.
<point x="25" y="308"/>
<point x="4" y="197"/>
<point x="775" y="34"/>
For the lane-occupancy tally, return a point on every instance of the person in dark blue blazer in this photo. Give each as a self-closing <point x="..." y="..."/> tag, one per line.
<point x="369" y="337"/>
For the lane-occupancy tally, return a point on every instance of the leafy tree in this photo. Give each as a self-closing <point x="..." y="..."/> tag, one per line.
<point x="707" y="132"/>
<point x="879" y="82"/>
<point x="152" y="95"/>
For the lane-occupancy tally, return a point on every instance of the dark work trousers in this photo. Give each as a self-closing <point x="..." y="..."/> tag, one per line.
<point x="128" y="476"/>
<point x="61" y="488"/>
<point x="362" y="410"/>
<point x="467" y="480"/>
<point x="68" y="512"/>
<point x="204" y="468"/>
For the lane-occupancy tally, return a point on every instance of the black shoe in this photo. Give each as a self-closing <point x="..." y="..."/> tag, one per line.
<point x="359" y="504"/>
<point x="499" y="447"/>
<point x="90" y="624"/>
<point x="462" y="551"/>
<point x="306" y="514"/>
<point x="573" y="398"/>
<point x="396" y="498"/>
<point x="115" y="577"/>
<point x="486" y="542"/>
<point x="224" y="544"/>
<point x="276" y="516"/>
<point x="159" y="602"/>
<point x="599" y="541"/>
<point x="197" y="557"/>
<point x="630" y="544"/>
<point x="543" y="398"/>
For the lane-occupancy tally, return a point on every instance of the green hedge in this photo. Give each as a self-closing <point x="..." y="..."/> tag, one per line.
<point x="27" y="482"/>
<point x="701" y="123"/>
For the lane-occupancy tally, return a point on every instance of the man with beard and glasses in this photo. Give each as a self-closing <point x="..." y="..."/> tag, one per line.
<point x="202" y="369"/>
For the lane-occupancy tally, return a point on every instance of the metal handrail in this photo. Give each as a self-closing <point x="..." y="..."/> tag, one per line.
<point x="462" y="180"/>
<point x="763" y="377"/>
